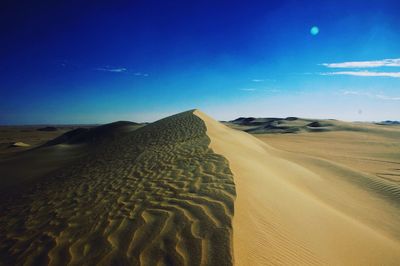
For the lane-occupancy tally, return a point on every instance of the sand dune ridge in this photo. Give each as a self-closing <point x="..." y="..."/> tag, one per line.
<point x="158" y="195"/>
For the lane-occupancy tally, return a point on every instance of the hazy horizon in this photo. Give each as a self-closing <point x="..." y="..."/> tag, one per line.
<point x="167" y="114"/>
<point x="79" y="63"/>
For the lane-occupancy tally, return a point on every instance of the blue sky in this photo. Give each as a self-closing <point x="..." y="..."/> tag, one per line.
<point x="80" y="62"/>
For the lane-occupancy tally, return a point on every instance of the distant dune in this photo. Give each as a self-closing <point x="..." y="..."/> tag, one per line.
<point x="188" y="190"/>
<point x="293" y="125"/>
<point x="389" y="122"/>
<point x="32" y="135"/>
<point x="20" y="144"/>
<point x="49" y="128"/>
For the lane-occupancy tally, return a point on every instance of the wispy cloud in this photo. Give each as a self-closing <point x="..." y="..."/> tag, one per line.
<point x="384" y="97"/>
<point x="371" y="95"/>
<point x="121" y="70"/>
<point x="268" y="80"/>
<point x="365" y="64"/>
<point x="363" y="74"/>
<point x="269" y="90"/>
<point x="141" y="74"/>
<point x="112" y="69"/>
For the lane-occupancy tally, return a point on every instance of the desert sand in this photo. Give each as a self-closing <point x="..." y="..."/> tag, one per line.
<point x="293" y="209"/>
<point x="155" y="195"/>
<point x="188" y="190"/>
<point x="12" y="136"/>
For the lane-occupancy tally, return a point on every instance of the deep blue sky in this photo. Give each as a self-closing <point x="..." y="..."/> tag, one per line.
<point x="101" y="61"/>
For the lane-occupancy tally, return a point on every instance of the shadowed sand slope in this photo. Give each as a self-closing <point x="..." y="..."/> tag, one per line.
<point x="292" y="210"/>
<point x="20" y="169"/>
<point x="156" y="196"/>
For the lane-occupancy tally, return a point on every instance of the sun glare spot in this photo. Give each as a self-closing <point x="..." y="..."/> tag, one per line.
<point x="314" y="30"/>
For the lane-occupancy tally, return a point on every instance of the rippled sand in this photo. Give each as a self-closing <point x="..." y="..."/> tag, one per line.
<point x="157" y="195"/>
<point x="187" y="190"/>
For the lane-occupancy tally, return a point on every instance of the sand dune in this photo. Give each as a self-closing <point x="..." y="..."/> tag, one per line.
<point x="51" y="153"/>
<point x="154" y="196"/>
<point x="32" y="135"/>
<point x="20" y="144"/>
<point x="302" y="125"/>
<point x="291" y="213"/>
<point x="187" y="190"/>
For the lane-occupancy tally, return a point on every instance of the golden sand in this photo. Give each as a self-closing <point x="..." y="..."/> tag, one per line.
<point x="187" y="190"/>
<point x="288" y="213"/>
<point x="154" y="196"/>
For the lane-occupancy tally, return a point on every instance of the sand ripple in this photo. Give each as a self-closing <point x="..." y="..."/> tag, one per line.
<point x="158" y="196"/>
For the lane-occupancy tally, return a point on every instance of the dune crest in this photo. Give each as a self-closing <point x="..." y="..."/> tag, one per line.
<point x="288" y="214"/>
<point x="187" y="190"/>
<point x="154" y="196"/>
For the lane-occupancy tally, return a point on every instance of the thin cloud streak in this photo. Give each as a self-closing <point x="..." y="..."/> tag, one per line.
<point x="248" y="89"/>
<point x="140" y="74"/>
<point x="363" y="74"/>
<point x="365" y="64"/>
<point x="384" y="97"/>
<point x="114" y="70"/>
<point x="269" y="90"/>
<point x="371" y="95"/>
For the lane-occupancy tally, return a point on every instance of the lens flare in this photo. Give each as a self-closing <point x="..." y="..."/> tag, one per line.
<point x="314" y="30"/>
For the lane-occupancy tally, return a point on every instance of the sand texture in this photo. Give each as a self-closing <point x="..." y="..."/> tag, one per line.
<point x="31" y="135"/>
<point x="157" y="195"/>
<point x="294" y="209"/>
<point x="188" y="190"/>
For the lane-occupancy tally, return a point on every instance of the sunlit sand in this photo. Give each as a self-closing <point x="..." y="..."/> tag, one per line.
<point x="188" y="190"/>
<point x="296" y="209"/>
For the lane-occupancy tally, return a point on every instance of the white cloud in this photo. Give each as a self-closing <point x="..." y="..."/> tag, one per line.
<point x="365" y="64"/>
<point x="114" y="70"/>
<point x="257" y="80"/>
<point x="248" y="89"/>
<point x="121" y="70"/>
<point x="141" y="74"/>
<point x="269" y="90"/>
<point x="384" y="97"/>
<point x="363" y="74"/>
<point x="371" y="95"/>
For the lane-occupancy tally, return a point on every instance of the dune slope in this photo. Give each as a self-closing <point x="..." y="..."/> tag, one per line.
<point x="20" y="169"/>
<point x="290" y="214"/>
<point x="155" y="196"/>
<point x="187" y="190"/>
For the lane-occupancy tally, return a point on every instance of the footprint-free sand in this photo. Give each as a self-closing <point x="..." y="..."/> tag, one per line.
<point x="154" y="196"/>
<point x="293" y="209"/>
<point x="188" y="190"/>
